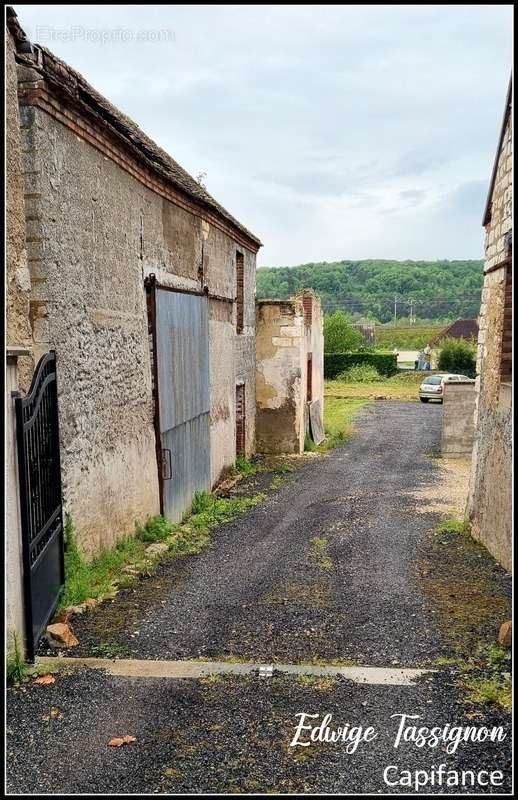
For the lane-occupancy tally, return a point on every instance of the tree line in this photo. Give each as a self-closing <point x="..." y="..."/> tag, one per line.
<point x="378" y="289"/>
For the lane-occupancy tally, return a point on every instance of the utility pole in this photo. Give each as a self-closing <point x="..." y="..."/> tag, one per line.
<point x="395" y="309"/>
<point x="411" y="312"/>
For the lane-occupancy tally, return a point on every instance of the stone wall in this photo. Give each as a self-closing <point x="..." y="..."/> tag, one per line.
<point x="18" y="281"/>
<point x="284" y="338"/>
<point x="457" y="419"/>
<point x="489" y="503"/>
<point x="94" y="233"/>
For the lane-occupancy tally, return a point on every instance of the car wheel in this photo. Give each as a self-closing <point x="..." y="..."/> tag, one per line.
<point x="424" y="399"/>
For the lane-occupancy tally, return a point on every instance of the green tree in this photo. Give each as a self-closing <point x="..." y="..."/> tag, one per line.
<point x="457" y="355"/>
<point x="339" y="335"/>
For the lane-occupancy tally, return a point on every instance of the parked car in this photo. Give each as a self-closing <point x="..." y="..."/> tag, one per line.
<point x="432" y="388"/>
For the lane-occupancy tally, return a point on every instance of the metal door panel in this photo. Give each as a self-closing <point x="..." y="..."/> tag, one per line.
<point x="182" y="371"/>
<point x="183" y="357"/>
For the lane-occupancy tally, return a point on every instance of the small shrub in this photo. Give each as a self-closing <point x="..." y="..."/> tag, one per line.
<point x="336" y="363"/>
<point x="457" y="356"/>
<point x="360" y="373"/>
<point x="309" y="445"/>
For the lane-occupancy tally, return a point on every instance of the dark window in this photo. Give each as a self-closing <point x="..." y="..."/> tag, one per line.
<point x="506" y="356"/>
<point x="240" y="292"/>
<point x="309" y="380"/>
<point x="240" y="420"/>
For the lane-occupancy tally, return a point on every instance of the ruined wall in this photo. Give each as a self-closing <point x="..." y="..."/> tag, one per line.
<point x="18" y="282"/>
<point x="95" y="233"/>
<point x="489" y="503"/>
<point x="457" y="419"/>
<point x="280" y="385"/>
<point x="314" y="344"/>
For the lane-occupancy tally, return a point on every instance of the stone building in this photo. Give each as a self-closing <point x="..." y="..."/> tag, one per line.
<point x="290" y="372"/>
<point x="489" y="503"/>
<point x="124" y="265"/>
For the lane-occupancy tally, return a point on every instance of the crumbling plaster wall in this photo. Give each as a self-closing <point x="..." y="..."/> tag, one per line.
<point x="489" y="503"/>
<point x="314" y="344"/>
<point x="232" y="354"/>
<point x="94" y="233"/>
<point x="281" y="348"/>
<point x="18" y="282"/>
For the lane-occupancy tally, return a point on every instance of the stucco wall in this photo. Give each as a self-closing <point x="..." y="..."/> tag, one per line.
<point x="280" y="347"/>
<point x="489" y="503"/>
<point x="457" y="419"/>
<point x="95" y="232"/>
<point x="284" y="339"/>
<point x="18" y="282"/>
<point x="314" y="344"/>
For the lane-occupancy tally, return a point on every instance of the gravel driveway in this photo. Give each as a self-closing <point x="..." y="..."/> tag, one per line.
<point x="328" y="569"/>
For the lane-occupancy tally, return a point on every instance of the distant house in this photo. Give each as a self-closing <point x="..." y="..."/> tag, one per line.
<point x="460" y="329"/>
<point x="489" y="509"/>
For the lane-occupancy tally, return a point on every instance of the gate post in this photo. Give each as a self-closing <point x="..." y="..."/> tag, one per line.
<point x="15" y="611"/>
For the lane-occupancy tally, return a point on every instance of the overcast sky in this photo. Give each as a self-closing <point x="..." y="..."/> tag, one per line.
<point x="332" y="132"/>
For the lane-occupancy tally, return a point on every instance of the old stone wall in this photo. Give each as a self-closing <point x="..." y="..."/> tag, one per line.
<point x="95" y="233"/>
<point x="489" y="503"/>
<point x="287" y="332"/>
<point x="314" y="344"/>
<point x="457" y="419"/>
<point x="18" y="282"/>
<point x="280" y="347"/>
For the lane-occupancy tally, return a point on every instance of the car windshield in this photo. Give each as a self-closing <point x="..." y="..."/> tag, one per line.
<point x="433" y="379"/>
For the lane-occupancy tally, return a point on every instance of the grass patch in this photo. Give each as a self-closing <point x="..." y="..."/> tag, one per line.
<point x="403" y="386"/>
<point x="101" y="576"/>
<point x="91" y="579"/>
<point x="452" y="526"/>
<point x="309" y="445"/>
<point x="319" y="554"/>
<point x="283" y="469"/>
<point x="111" y="650"/>
<point x="486" y="678"/>
<point x="495" y="691"/>
<point x="243" y="467"/>
<point x="16" y="666"/>
<point x="339" y="414"/>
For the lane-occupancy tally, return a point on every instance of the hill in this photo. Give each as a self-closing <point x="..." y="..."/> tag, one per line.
<point x="431" y="290"/>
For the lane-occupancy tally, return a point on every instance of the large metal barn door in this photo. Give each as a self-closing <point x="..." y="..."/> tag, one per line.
<point x="182" y="376"/>
<point x="37" y="431"/>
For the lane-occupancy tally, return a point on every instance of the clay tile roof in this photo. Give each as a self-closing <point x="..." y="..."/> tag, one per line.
<point x="460" y="329"/>
<point x="68" y="80"/>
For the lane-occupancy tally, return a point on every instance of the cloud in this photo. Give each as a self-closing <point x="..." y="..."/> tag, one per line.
<point x="330" y="131"/>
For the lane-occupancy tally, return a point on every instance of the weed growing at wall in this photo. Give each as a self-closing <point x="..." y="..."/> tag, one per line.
<point x="244" y="467"/>
<point x="101" y="576"/>
<point x="16" y="666"/>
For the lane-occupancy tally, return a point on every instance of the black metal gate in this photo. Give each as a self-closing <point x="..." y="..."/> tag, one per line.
<point x="37" y="432"/>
